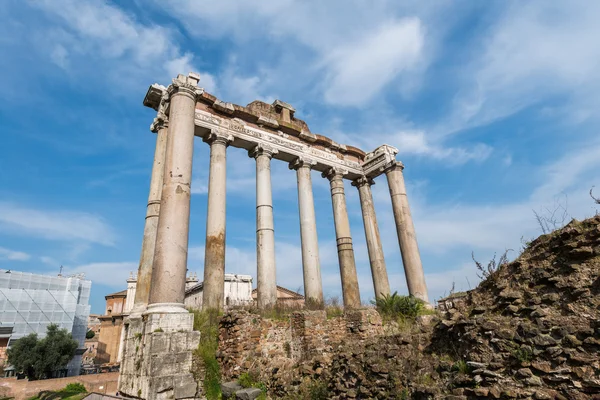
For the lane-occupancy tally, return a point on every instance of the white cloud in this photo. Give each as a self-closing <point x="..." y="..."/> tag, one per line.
<point x="113" y="274"/>
<point x="416" y="142"/>
<point x="55" y="225"/>
<point x="11" y="255"/>
<point x="359" y="70"/>
<point x="533" y="51"/>
<point x="49" y="260"/>
<point x="498" y="226"/>
<point x="83" y="37"/>
<point x="351" y="51"/>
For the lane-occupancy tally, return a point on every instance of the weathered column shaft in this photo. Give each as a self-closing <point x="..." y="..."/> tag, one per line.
<point x="311" y="268"/>
<point x="350" y="290"/>
<point x="170" y="256"/>
<point x="144" y="275"/>
<point x="413" y="269"/>
<point x="378" y="270"/>
<point x="265" y="233"/>
<point x="214" y="251"/>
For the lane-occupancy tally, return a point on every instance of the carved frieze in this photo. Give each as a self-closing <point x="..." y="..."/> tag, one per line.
<point x="377" y="161"/>
<point x="283" y="145"/>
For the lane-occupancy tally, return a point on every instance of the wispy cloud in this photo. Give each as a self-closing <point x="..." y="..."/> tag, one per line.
<point x="83" y="37"/>
<point x="532" y="52"/>
<point x="12" y="255"/>
<point x="359" y="70"/>
<point x="112" y="274"/>
<point x="58" y="225"/>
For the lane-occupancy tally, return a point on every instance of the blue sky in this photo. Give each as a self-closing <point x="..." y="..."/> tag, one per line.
<point x="493" y="105"/>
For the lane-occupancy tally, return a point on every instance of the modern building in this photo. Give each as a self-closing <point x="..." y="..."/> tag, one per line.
<point x="31" y="302"/>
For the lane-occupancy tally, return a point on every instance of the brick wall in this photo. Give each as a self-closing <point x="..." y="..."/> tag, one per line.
<point x="248" y="342"/>
<point x="23" y="389"/>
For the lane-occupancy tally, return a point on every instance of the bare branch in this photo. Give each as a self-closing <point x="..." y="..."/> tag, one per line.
<point x="597" y="200"/>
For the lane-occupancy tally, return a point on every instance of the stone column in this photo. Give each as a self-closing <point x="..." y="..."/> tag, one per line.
<point x="413" y="269"/>
<point x="214" y="251"/>
<point x="376" y="259"/>
<point x="170" y="256"/>
<point x="265" y="233"/>
<point x="313" y="289"/>
<point x="350" y="289"/>
<point x="144" y="275"/>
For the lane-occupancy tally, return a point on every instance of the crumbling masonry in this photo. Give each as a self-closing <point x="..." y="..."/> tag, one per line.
<point x="159" y="335"/>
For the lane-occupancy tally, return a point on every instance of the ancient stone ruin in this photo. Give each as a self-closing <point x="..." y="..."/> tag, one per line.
<point x="158" y="335"/>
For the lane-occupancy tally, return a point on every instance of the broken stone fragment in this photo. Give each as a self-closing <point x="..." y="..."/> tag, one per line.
<point x="248" y="394"/>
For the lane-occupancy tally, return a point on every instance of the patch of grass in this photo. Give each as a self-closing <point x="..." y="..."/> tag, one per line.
<point x="400" y="308"/>
<point x="158" y="330"/>
<point x="75" y="388"/>
<point x="523" y="355"/>
<point x="138" y="336"/>
<point x="250" y="380"/>
<point x="461" y="367"/>
<point x="207" y="323"/>
<point x="333" y="308"/>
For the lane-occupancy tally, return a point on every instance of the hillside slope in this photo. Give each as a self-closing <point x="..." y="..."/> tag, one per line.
<point x="530" y="330"/>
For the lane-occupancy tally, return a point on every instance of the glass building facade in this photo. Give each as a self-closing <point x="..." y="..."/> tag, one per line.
<point x="31" y="302"/>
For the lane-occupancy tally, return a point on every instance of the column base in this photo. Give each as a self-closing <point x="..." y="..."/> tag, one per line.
<point x="166" y="308"/>
<point x="157" y="357"/>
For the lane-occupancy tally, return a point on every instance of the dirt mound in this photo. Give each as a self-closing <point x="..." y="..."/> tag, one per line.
<point x="530" y="330"/>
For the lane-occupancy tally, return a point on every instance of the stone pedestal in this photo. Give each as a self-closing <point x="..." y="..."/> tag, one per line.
<point x="157" y="357"/>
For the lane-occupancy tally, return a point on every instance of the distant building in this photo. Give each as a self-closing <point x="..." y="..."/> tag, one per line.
<point x="286" y="298"/>
<point x="31" y="302"/>
<point x="238" y="292"/>
<point x="91" y="345"/>
<point x="111" y="326"/>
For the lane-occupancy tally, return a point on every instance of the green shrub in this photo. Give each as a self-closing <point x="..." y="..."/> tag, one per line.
<point x="461" y="366"/>
<point x="75" y="388"/>
<point x="317" y="390"/>
<point x="395" y="307"/>
<point x="333" y="308"/>
<point x="250" y="379"/>
<point x="523" y="355"/>
<point x="207" y="323"/>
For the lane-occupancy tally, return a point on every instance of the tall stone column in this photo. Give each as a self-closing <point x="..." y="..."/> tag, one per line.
<point x="350" y="289"/>
<point x="313" y="289"/>
<point x="214" y="251"/>
<point x="170" y="256"/>
<point x="376" y="258"/>
<point x="144" y="275"/>
<point x="413" y="269"/>
<point x="265" y="232"/>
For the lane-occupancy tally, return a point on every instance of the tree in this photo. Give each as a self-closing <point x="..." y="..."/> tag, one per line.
<point x="90" y="334"/>
<point x="39" y="358"/>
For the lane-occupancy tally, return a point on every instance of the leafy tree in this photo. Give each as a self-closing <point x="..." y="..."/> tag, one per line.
<point x="90" y="334"/>
<point x="39" y="358"/>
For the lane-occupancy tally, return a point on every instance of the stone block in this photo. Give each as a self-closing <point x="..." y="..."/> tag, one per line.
<point x="179" y="341"/>
<point x="248" y="394"/>
<point x="228" y="389"/>
<point x="159" y="343"/>
<point x="184" y="386"/>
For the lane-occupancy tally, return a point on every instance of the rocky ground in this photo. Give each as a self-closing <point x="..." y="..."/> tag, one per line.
<point x="530" y="330"/>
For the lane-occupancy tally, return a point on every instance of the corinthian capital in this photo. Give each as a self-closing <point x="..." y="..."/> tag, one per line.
<point x="262" y="149"/>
